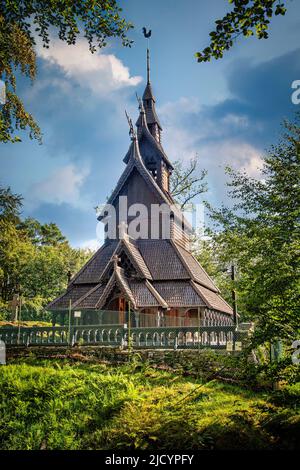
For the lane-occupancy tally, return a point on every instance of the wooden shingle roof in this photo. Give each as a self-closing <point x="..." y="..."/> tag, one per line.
<point x="197" y="273"/>
<point x="91" y="298"/>
<point x="180" y="293"/>
<point x="179" y="282"/>
<point x="73" y="293"/>
<point x="154" y="252"/>
<point x="145" y="294"/>
<point x="213" y="300"/>
<point x="92" y="270"/>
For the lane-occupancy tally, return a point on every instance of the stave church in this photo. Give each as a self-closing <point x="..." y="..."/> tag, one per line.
<point x="157" y="278"/>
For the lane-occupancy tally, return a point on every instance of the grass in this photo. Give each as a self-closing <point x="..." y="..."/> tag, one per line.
<point x="61" y="405"/>
<point x="30" y="323"/>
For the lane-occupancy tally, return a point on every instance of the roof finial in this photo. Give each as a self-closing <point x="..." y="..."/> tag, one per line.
<point x="131" y="128"/>
<point x="147" y="35"/>
<point x="141" y="104"/>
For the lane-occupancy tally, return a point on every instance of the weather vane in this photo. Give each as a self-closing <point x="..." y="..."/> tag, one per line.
<point x="147" y="35"/>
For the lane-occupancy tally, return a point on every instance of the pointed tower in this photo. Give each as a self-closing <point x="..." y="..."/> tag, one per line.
<point x="149" y="135"/>
<point x="149" y="105"/>
<point x="150" y="269"/>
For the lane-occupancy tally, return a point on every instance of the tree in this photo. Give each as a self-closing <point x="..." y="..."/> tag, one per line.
<point x="45" y="274"/>
<point x="261" y="233"/>
<point x="247" y="18"/>
<point x="186" y="182"/>
<point x="211" y="259"/>
<point x="35" y="258"/>
<point x="42" y="234"/>
<point x="15" y="252"/>
<point x="21" y="21"/>
<point x="10" y="204"/>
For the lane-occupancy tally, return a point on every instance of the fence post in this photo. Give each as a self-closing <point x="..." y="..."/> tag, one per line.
<point x="199" y="319"/>
<point x="69" y="322"/>
<point x="129" y="328"/>
<point x="19" y="319"/>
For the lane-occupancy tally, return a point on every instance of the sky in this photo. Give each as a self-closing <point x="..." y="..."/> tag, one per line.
<point x="227" y="112"/>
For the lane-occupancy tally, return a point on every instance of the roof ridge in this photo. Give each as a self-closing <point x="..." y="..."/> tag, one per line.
<point x="197" y="287"/>
<point x="128" y="244"/>
<point x="122" y="279"/>
<point x="87" y="294"/>
<point x="87" y="263"/>
<point x="140" y="166"/>
<point x="156" y="144"/>
<point x="106" y="291"/>
<point x="189" y="269"/>
<point x="156" y="294"/>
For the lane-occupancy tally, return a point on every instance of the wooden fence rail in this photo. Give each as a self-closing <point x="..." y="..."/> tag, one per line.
<point x="192" y="337"/>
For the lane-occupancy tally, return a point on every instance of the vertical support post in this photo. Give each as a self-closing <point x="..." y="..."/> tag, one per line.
<point x="234" y="302"/>
<point x="19" y="318"/>
<point x="129" y="327"/>
<point x="199" y="323"/>
<point x="69" y="322"/>
<point x="137" y="318"/>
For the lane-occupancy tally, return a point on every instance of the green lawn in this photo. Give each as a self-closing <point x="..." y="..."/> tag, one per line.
<point x="57" y="405"/>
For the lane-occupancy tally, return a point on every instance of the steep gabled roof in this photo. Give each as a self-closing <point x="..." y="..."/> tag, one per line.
<point x="146" y="140"/>
<point x="91" y="272"/>
<point x="136" y="162"/>
<point x="154" y="252"/>
<point x="73" y="293"/>
<point x="181" y="293"/>
<point x="130" y="248"/>
<point x="118" y="279"/>
<point x="146" y="295"/>
<point x="194" y="268"/>
<point x="91" y="298"/>
<point x="213" y="300"/>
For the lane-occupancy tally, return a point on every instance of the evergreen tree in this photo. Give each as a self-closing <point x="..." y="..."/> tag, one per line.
<point x="261" y="232"/>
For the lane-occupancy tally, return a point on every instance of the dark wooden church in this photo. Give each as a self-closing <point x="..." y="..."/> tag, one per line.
<point x="155" y="276"/>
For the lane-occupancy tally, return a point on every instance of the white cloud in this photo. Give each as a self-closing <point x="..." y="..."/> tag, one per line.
<point x="190" y="132"/>
<point x="240" y="155"/>
<point x="61" y="186"/>
<point x="101" y="73"/>
<point x="92" y="244"/>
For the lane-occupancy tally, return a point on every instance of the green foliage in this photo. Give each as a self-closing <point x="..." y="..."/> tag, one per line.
<point x="45" y="273"/>
<point x="60" y="406"/>
<point x="212" y="261"/>
<point x="10" y="205"/>
<point x="248" y="17"/>
<point x="34" y="257"/>
<point x="261" y="234"/>
<point x="187" y="182"/>
<point x="21" y="22"/>
<point x="41" y="234"/>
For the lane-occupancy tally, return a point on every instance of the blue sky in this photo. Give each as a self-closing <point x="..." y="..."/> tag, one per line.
<point x="227" y="111"/>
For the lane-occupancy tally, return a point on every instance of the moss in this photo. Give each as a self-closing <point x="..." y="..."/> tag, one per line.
<point x="60" y="404"/>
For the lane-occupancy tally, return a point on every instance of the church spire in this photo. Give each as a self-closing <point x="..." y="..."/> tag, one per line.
<point x="149" y="100"/>
<point x="148" y="65"/>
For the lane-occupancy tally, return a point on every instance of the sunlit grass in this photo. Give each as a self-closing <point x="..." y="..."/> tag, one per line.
<point x="58" y="405"/>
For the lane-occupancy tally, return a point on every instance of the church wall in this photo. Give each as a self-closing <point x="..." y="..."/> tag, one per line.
<point x="136" y="189"/>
